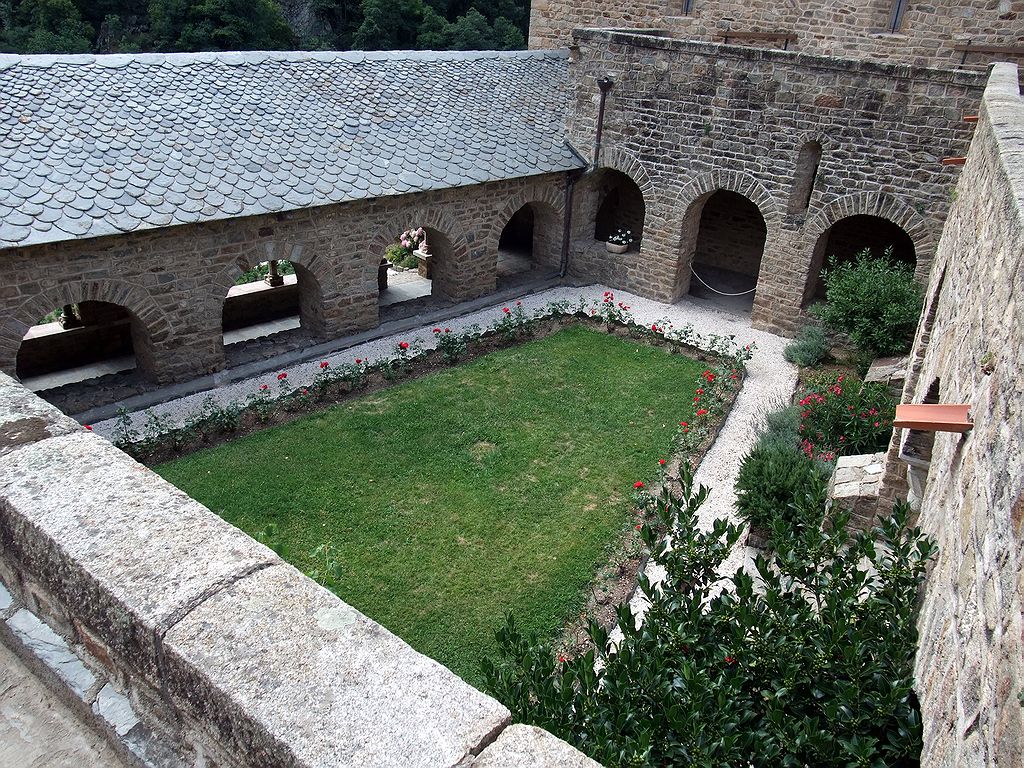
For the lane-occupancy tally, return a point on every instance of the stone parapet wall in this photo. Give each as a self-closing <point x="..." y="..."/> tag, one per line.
<point x="927" y="35"/>
<point x="686" y="119"/>
<point x="194" y="645"/>
<point x="174" y="280"/>
<point x="970" y="664"/>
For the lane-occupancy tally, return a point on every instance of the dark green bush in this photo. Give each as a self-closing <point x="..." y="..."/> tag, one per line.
<point x="808" y="348"/>
<point x="773" y="479"/>
<point x="874" y="300"/>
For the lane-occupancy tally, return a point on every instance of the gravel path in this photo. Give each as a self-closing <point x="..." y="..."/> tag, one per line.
<point x="770" y="381"/>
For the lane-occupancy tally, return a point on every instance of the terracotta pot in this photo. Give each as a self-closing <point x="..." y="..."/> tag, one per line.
<point x="616" y="247"/>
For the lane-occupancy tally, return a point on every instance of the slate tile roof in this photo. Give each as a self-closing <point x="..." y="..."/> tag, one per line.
<point x="98" y="145"/>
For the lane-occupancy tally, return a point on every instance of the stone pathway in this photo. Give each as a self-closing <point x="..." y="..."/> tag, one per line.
<point x="37" y="730"/>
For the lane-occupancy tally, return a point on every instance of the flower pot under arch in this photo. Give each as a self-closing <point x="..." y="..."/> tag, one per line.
<point x="617" y="247"/>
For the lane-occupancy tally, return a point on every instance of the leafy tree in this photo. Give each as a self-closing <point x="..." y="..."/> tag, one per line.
<point x="388" y="25"/>
<point x="45" y="26"/>
<point x="218" y="25"/>
<point x="507" y="36"/>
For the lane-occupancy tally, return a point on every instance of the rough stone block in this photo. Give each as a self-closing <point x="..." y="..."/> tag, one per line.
<point x="525" y="746"/>
<point x="288" y="674"/>
<point x="104" y="535"/>
<point x="26" y="418"/>
<point x="855" y="484"/>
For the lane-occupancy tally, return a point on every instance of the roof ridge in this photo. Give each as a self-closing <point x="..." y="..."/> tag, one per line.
<point x="236" y="58"/>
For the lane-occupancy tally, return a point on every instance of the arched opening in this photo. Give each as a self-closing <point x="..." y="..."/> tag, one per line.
<point x="271" y="298"/>
<point x="417" y="269"/>
<point x="529" y="245"/>
<point x="621" y="207"/>
<point x="807" y="164"/>
<point x="848" y="237"/>
<point x="727" y="248"/>
<point x="79" y="342"/>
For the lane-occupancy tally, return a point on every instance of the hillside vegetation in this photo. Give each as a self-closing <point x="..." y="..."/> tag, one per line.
<point x="126" y="26"/>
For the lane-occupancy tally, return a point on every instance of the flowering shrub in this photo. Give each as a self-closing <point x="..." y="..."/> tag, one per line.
<point x="621" y="237"/>
<point x="403" y="253"/>
<point x="844" y="416"/>
<point x="810" y="662"/>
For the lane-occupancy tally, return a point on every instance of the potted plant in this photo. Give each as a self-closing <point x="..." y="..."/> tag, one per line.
<point x="620" y="241"/>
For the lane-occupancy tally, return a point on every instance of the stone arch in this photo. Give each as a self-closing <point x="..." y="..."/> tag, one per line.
<point x="150" y="325"/>
<point x="454" y="248"/>
<point x="619" y="159"/>
<point x="550" y="198"/>
<point x="315" y="276"/>
<point x="922" y="230"/>
<point x="694" y="196"/>
<point x="918" y="229"/>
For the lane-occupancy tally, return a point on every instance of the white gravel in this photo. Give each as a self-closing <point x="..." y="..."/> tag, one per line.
<point x="770" y="380"/>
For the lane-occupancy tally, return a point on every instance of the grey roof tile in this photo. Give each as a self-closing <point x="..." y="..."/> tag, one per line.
<point x="125" y="142"/>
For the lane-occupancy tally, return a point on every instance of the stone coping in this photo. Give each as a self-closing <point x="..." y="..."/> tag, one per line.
<point x="648" y="39"/>
<point x="228" y="650"/>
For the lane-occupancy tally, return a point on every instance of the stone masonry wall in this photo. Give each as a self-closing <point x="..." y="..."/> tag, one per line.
<point x="970" y="663"/>
<point x="175" y="280"/>
<point x="856" y="30"/>
<point x="189" y="644"/>
<point x="686" y="119"/>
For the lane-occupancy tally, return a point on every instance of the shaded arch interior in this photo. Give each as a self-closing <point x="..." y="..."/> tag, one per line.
<point x="848" y="237"/>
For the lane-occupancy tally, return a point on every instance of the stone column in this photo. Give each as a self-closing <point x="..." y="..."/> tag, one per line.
<point x="274" y="279"/>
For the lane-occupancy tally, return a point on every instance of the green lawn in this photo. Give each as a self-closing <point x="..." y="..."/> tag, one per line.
<point x="489" y="487"/>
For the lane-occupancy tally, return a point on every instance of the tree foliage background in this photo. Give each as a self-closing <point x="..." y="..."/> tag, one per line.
<point x="125" y="26"/>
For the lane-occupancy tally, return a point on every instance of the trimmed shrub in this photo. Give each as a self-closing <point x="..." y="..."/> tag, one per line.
<point x="773" y="480"/>
<point x="874" y="300"/>
<point x="808" y="348"/>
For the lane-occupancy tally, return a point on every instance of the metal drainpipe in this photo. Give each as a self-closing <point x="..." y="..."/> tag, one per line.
<point x="605" y="84"/>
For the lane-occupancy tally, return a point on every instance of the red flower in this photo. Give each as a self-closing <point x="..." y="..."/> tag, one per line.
<point x="519" y="303"/>
<point x="702" y="412"/>
<point x="437" y="330"/>
<point x="638" y="484"/>
<point x="730" y="660"/>
<point x="561" y="659"/>
<point x="87" y="427"/>
<point x="696" y="399"/>
<point x="700" y="391"/>
<point x="359" y="360"/>
<point x="282" y="376"/>
<point x="324" y="365"/>
<point x="305" y="391"/>
<point x="403" y="345"/>
<point x="263" y="387"/>
<point x="639" y="526"/>
<point x="506" y="310"/>
<point x="683" y="424"/>
<point x="662" y="462"/>
<point x="447" y="330"/>
<point x="654" y="327"/>
<point x="877" y="423"/>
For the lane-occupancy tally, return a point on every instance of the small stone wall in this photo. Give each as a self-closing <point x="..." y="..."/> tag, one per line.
<point x="193" y="645"/>
<point x="687" y="119"/>
<point x="970" y="663"/>
<point x="926" y="36"/>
